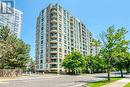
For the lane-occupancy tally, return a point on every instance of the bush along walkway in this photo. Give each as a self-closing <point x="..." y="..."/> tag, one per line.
<point x="119" y="83"/>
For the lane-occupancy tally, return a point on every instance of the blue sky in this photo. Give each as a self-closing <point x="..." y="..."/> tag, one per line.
<point x="97" y="15"/>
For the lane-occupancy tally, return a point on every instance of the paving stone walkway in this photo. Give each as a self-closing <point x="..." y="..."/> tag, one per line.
<point x="119" y="83"/>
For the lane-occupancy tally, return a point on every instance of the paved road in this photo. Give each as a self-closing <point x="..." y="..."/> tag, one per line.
<point x="51" y="80"/>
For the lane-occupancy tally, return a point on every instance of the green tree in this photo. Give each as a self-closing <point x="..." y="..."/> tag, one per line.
<point x="14" y="52"/>
<point x="127" y="63"/>
<point x="95" y="64"/>
<point x="110" y="41"/>
<point x="90" y="63"/>
<point x="74" y="63"/>
<point x="30" y="65"/>
<point x="121" y="51"/>
<point x="5" y="47"/>
<point x="96" y="44"/>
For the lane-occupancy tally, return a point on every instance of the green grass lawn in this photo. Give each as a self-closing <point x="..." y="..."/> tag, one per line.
<point x="127" y="85"/>
<point x="103" y="82"/>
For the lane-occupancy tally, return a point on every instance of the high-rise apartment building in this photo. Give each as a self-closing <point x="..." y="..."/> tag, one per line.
<point x="12" y="20"/>
<point x="57" y="34"/>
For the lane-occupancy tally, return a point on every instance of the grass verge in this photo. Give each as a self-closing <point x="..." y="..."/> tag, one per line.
<point x="103" y="82"/>
<point x="127" y="85"/>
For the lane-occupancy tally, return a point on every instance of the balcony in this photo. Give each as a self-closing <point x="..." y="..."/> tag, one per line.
<point x="53" y="51"/>
<point x="72" y="43"/>
<point x="53" y="31"/>
<point x="72" y="46"/>
<point x="53" y="41"/>
<point x="53" y="66"/>
<point x="53" y="60"/>
<point x="53" y="35"/>
<point x="72" y="28"/>
<point x="72" y="31"/>
<point x="53" y="46"/>
<point x="54" y="16"/>
<point x="53" y="57"/>
<point x="54" y="21"/>
<point x="53" y="69"/>
<point x="71" y="22"/>
<point x="53" y="26"/>
<point x="72" y="35"/>
<point x="53" y="10"/>
<point x="71" y="19"/>
<point x="72" y="39"/>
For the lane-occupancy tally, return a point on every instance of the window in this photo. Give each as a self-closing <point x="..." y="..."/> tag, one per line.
<point x="42" y="28"/>
<point x="53" y="49"/>
<point x="41" y="66"/>
<point x="60" y="8"/>
<point x="42" y="42"/>
<point x="60" y="49"/>
<point x="65" y="13"/>
<point x="60" y="26"/>
<point x="60" y="39"/>
<point x="60" y="60"/>
<point x="53" y="66"/>
<point x="41" y="51"/>
<point x="53" y="60"/>
<point x="60" y="34"/>
<point x="60" y="45"/>
<point x="65" y="51"/>
<point x="41" y="61"/>
<point x="41" y="37"/>
<point x="53" y="55"/>
<point x="60" y="55"/>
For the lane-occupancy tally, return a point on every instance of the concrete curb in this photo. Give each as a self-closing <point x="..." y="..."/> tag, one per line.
<point x="79" y="85"/>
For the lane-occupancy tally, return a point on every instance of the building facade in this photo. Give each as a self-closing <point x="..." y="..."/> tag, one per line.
<point x="57" y="34"/>
<point x="13" y="21"/>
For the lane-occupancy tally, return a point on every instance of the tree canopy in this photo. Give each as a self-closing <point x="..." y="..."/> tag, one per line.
<point x="13" y="51"/>
<point x="74" y="63"/>
<point x="114" y="47"/>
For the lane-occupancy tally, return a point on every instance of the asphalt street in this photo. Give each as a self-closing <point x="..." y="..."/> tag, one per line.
<point x="52" y="80"/>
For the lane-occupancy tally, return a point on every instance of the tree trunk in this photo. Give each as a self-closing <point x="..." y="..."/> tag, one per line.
<point x="2" y="63"/>
<point x="69" y="71"/>
<point x="91" y="70"/>
<point x="97" y="70"/>
<point x="108" y="70"/>
<point x="121" y="73"/>
<point x="73" y="72"/>
<point x="108" y="73"/>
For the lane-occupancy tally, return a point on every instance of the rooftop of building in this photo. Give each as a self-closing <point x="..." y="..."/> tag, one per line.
<point x="16" y="10"/>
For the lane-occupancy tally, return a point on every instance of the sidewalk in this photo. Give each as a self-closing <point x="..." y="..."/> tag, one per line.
<point x="119" y="83"/>
<point x="3" y="80"/>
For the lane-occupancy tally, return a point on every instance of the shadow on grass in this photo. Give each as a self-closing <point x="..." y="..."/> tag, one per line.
<point x="101" y="76"/>
<point x="84" y="81"/>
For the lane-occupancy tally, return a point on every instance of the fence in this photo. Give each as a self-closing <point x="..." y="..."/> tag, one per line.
<point x="10" y="72"/>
